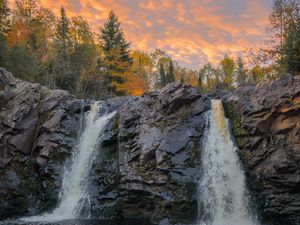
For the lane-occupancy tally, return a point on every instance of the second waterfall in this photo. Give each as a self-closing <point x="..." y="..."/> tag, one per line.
<point x="222" y="190"/>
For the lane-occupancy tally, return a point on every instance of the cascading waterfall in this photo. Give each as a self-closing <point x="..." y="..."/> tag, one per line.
<point x="73" y="195"/>
<point x="222" y="190"/>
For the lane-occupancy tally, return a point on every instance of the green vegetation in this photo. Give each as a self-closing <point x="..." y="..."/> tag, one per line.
<point x="65" y="53"/>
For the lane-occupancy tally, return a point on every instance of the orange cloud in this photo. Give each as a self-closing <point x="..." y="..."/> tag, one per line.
<point x="192" y="32"/>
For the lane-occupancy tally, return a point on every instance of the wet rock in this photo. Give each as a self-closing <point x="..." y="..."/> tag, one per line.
<point x="31" y="155"/>
<point x="159" y="152"/>
<point x="266" y="123"/>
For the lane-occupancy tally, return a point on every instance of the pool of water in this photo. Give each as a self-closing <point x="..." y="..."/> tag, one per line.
<point x="79" y="222"/>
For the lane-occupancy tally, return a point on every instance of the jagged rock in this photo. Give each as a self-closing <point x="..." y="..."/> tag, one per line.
<point x="148" y="163"/>
<point x="31" y="117"/>
<point x="266" y="123"/>
<point x="159" y="150"/>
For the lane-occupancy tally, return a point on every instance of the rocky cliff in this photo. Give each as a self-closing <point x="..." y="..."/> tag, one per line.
<point x="38" y="129"/>
<point x="148" y="164"/>
<point x="266" y="123"/>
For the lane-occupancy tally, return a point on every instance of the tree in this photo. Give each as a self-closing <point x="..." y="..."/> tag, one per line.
<point x="182" y="80"/>
<point x="241" y="73"/>
<point x="143" y="65"/>
<point x="227" y="65"/>
<point x="170" y="75"/>
<point x="4" y="27"/>
<point x="201" y="75"/>
<point x="257" y="74"/>
<point x="3" y="50"/>
<point x="83" y="57"/>
<point x="284" y="34"/>
<point x="291" y="50"/>
<point x="4" y="17"/>
<point x="116" y="53"/>
<point x="62" y="70"/>
<point x="162" y="75"/>
<point x="22" y="63"/>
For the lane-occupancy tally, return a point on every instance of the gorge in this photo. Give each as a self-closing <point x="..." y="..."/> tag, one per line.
<point x="144" y="156"/>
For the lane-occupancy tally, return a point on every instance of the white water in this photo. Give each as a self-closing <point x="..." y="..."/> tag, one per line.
<point x="222" y="190"/>
<point x="74" y="197"/>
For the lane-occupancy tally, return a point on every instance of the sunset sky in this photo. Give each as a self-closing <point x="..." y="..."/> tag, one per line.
<point x="193" y="32"/>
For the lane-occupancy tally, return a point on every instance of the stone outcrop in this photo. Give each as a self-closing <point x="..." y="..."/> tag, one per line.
<point x="159" y="142"/>
<point x="38" y="128"/>
<point x="266" y="123"/>
<point x="148" y="164"/>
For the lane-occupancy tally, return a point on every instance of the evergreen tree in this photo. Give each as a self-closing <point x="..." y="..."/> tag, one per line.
<point x="22" y="63"/>
<point x="63" y="34"/>
<point x="112" y="37"/>
<point x="3" y="51"/>
<point x="182" y="80"/>
<point x="116" y="55"/>
<point x="241" y="73"/>
<point x="62" y="70"/>
<point x="162" y="75"/>
<point x="201" y="75"/>
<point x="170" y="76"/>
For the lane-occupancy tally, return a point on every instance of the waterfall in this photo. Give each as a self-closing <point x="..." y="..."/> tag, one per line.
<point x="74" y="197"/>
<point x="222" y="190"/>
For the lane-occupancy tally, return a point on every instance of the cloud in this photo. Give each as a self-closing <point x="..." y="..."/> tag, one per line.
<point x="192" y="32"/>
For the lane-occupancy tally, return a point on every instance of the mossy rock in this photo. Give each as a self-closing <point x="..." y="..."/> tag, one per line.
<point x="236" y="123"/>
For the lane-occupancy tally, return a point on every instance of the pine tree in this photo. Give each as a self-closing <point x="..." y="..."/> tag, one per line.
<point x="63" y="34"/>
<point x="201" y="76"/>
<point x="112" y="37"/>
<point x="182" y="80"/>
<point x="22" y="63"/>
<point x="116" y="55"/>
<point x="170" y="76"/>
<point x="241" y="73"/>
<point x="62" y="70"/>
<point x="162" y="75"/>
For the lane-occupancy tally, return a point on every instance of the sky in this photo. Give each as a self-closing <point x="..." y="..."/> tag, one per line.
<point x="193" y="32"/>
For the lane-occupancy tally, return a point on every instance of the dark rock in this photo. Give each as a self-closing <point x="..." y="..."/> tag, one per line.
<point x="266" y="123"/>
<point x="31" y="155"/>
<point x="159" y="152"/>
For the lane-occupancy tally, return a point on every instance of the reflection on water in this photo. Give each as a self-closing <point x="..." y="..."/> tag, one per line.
<point x="79" y="222"/>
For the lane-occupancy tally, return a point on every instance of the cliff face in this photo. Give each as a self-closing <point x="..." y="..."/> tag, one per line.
<point x="148" y="164"/>
<point x="266" y="124"/>
<point x="38" y="129"/>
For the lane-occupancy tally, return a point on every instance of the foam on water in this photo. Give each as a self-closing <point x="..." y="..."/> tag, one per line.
<point x="74" y="197"/>
<point x="222" y="191"/>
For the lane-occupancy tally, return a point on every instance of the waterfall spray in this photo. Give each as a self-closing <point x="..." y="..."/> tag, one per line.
<point x="223" y="199"/>
<point x="74" y="195"/>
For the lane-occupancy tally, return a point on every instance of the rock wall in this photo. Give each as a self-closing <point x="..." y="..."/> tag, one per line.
<point x="148" y="164"/>
<point x="266" y="122"/>
<point x="159" y="142"/>
<point x="38" y="129"/>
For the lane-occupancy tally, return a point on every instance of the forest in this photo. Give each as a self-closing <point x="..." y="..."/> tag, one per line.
<point x="66" y="53"/>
